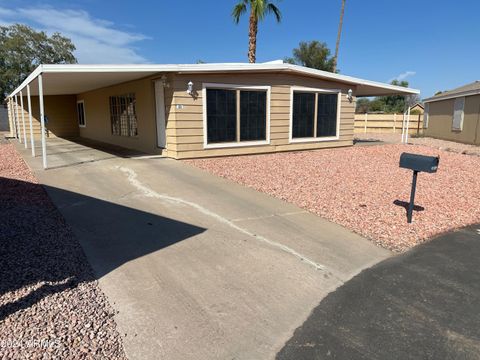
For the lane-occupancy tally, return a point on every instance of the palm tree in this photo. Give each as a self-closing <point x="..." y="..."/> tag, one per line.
<point x="340" y="25"/>
<point x="258" y="10"/>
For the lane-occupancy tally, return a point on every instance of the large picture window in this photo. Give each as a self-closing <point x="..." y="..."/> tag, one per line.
<point x="123" y="115"/>
<point x="236" y="116"/>
<point x="314" y="115"/>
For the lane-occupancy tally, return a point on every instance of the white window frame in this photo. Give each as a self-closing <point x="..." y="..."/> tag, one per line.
<point x="461" y="113"/>
<point x="293" y="140"/>
<point x="84" y="117"/>
<point x="206" y="86"/>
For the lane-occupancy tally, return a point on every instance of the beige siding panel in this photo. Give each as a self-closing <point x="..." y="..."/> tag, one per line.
<point x="185" y="134"/>
<point x="279" y="129"/>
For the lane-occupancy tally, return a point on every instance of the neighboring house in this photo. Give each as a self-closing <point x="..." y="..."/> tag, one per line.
<point x="454" y="114"/>
<point x="199" y="110"/>
<point x="418" y="108"/>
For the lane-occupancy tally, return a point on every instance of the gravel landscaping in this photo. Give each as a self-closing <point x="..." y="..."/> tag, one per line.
<point x="50" y="303"/>
<point x="445" y="145"/>
<point x="363" y="189"/>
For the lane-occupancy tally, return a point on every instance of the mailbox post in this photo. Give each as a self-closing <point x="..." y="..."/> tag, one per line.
<point x="417" y="163"/>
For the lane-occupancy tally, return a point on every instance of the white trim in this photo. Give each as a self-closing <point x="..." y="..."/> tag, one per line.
<point x="42" y="120"/>
<point x="17" y="119"/>
<point x="212" y="68"/>
<point x="23" y="121"/>
<point x="160" y="118"/>
<point x="84" y="114"/>
<point x="206" y="86"/>
<point x="293" y="140"/>
<point x="29" y="102"/>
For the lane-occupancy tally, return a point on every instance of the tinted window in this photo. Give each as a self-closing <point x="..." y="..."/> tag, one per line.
<point x="253" y="115"/>
<point x="221" y="115"/>
<point x="303" y="114"/>
<point x="327" y="115"/>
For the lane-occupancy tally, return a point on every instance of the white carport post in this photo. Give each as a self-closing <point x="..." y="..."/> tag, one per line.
<point x="408" y="123"/>
<point x="17" y="122"/>
<point x="23" y="121"/>
<point x="29" y="102"/>
<point x="42" y="120"/>
<point x="11" y="119"/>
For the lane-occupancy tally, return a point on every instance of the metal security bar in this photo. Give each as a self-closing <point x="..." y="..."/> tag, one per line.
<point x="123" y="115"/>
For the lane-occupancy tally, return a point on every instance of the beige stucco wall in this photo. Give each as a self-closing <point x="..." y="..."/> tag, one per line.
<point x="97" y="116"/>
<point x="441" y="116"/>
<point x="185" y="115"/>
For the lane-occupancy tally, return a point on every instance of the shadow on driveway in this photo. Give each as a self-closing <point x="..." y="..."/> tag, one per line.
<point x="424" y="304"/>
<point x="40" y="256"/>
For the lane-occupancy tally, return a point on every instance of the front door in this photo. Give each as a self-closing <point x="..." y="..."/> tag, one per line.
<point x="160" y="114"/>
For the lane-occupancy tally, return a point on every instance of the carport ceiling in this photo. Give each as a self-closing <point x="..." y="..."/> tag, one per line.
<point x="77" y="83"/>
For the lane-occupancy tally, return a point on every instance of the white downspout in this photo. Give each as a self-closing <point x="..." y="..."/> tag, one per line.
<point x="23" y="122"/>
<point x="29" y="102"/>
<point x="42" y="120"/>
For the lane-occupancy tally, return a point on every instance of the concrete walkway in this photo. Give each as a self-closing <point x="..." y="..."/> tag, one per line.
<point x="199" y="267"/>
<point x="424" y="304"/>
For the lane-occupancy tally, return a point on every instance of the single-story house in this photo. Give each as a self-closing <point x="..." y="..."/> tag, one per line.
<point x="454" y="115"/>
<point x="418" y="108"/>
<point x="196" y="110"/>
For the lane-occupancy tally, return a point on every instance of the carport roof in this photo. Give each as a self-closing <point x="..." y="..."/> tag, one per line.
<point x="65" y="79"/>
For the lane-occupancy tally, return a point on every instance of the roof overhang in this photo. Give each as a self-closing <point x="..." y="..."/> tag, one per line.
<point x="68" y="79"/>
<point x="452" y="96"/>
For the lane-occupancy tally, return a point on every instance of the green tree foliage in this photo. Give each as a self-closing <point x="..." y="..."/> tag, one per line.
<point x="258" y="10"/>
<point x="388" y="104"/>
<point x="312" y="54"/>
<point x="22" y="49"/>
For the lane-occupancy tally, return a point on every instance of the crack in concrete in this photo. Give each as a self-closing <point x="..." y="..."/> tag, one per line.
<point x="133" y="180"/>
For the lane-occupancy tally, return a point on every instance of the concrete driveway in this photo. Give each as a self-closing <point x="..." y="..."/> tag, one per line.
<point x="199" y="267"/>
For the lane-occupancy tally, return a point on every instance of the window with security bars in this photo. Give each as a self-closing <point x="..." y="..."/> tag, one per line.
<point x="314" y="114"/>
<point x="123" y="115"/>
<point x="235" y="115"/>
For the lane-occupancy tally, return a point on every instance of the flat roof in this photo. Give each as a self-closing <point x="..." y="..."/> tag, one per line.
<point x="69" y="79"/>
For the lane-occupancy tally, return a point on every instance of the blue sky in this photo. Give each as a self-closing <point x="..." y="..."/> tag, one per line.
<point x="434" y="45"/>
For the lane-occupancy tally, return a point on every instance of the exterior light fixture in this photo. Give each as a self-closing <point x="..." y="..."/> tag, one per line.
<point x="190" y="88"/>
<point x="350" y="95"/>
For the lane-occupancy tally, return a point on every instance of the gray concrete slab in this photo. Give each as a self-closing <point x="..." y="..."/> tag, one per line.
<point x="197" y="266"/>
<point x="423" y="304"/>
<point x="75" y="151"/>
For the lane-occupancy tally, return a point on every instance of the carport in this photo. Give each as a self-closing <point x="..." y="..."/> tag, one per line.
<point x="50" y="80"/>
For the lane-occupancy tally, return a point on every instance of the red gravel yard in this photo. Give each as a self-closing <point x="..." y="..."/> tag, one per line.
<point x="363" y="189"/>
<point x="50" y="303"/>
